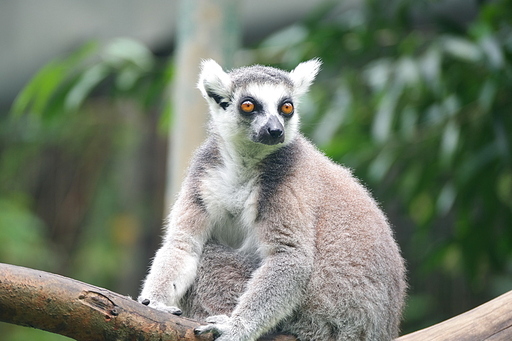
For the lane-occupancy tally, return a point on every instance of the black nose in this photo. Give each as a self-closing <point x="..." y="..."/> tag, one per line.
<point x="275" y="132"/>
<point x="272" y="132"/>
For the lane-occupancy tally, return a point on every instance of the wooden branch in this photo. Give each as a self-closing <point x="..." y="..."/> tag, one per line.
<point x="490" y="321"/>
<point x="81" y="311"/>
<point x="85" y="312"/>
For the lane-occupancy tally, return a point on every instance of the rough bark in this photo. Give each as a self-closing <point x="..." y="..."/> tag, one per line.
<point x="82" y="311"/>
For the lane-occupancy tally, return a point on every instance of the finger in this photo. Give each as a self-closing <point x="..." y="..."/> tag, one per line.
<point x="175" y="311"/>
<point x="209" y="328"/>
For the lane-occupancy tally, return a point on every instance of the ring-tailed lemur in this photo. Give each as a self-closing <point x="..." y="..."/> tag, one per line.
<point x="268" y="234"/>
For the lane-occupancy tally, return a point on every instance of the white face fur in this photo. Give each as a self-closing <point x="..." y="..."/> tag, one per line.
<point x="256" y="107"/>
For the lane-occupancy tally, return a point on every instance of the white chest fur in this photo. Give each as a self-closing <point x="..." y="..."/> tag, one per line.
<point x="230" y="193"/>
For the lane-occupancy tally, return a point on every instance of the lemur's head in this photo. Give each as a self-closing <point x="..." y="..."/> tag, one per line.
<point x="256" y="103"/>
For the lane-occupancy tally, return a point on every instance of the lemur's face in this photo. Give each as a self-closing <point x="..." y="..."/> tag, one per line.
<point x="256" y="103"/>
<point x="265" y="113"/>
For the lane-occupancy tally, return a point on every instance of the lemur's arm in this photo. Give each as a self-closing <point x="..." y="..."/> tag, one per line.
<point x="277" y="287"/>
<point x="175" y="264"/>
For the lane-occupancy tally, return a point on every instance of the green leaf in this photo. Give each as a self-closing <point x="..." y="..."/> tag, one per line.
<point x="36" y="96"/>
<point x="493" y="51"/>
<point x="446" y="199"/>
<point x="378" y="74"/>
<point x="383" y="120"/>
<point x="487" y="94"/>
<point x="125" y="52"/>
<point x="430" y="67"/>
<point x="461" y="48"/>
<point x="292" y="35"/>
<point x="86" y="82"/>
<point x="504" y="187"/>
<point x="334" y="117"/>
<point x="407" y="72"/>
<point x="408" y="122"/>
<point x="449" y="142"/>
<point x="380" y="166"/>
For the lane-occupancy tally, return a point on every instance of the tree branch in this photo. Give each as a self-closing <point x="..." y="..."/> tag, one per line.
<point x="85" y="312"/>
<point x="81" y="311"/>
<point x="490" y="321"/>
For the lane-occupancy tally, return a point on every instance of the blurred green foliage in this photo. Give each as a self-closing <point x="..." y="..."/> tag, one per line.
<point x="415" y="101"/>
<point x="125" y="67"/>
<point x="79" y="137"/>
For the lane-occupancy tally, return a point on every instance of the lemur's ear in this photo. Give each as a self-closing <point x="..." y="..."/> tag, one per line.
<point x="304" y="74"/>
<point x="214" y="83"/>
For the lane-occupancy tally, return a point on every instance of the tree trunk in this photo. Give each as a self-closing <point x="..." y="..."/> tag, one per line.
<point x="206" y="29"/>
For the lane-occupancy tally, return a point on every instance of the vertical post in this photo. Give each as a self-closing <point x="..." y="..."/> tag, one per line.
<point x="206" y="29"/>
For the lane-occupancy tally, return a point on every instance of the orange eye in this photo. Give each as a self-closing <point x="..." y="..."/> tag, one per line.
<point x="287" y="108"/>
<point x="247" y="106"/>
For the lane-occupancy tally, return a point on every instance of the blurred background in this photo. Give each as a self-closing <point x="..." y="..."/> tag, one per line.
<point x="97" y="101"/>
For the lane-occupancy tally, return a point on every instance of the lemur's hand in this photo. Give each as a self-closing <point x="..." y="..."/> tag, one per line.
<point x="160" y="306"/>
<point x="222" y="328"/>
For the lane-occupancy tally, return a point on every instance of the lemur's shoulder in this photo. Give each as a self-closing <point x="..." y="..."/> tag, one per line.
<point x="205" y="157"/>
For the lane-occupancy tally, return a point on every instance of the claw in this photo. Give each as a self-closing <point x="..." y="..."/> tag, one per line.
<point x="162" y="307"/>
<point x="173" y="310"/>
<point x="177" y="312"/>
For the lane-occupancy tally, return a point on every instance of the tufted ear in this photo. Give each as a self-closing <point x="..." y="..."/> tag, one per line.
<point x="214" y="83"/>
<point x="304" y="74"/>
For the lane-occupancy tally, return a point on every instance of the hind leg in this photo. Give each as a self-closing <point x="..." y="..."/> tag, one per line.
<point x="221" y="279"/>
